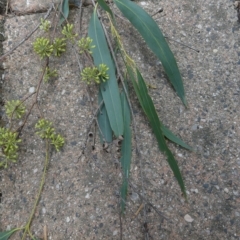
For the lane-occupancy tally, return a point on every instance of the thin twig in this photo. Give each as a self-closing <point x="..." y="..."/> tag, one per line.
<point x="45" y="232"/>
<point x="147" y="202"/>
<point x="27" y="37"/>
<point x="35" y="100"/>
<point x="183" y="44"/>
<point x="158" y="11"/>
<point x="120" y="221"/>
<point x="18" y="106"/>
<point x="6" y="10"/>
<point x="89" y="126"/>
<point x="80" y="16"/>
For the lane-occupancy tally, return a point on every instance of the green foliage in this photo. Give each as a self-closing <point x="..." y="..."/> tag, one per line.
<point x="169" y="135"/>
<point x="102" y="72"/>
<point x="45" y="25"/>
<point x="155" y="40"/>
<point x="156" y="125"/>
<point x="109" y="89"/>
<point x="68" y="32"/>
<point x="59" y="46"/>
<point x="49" y="73"/>
<point x="9" y="146"/>
<point x="90" y="74"/>
<point x="126" y="150"/>
<point x="105" y="6"/>
<point x="57" y="141"/>
<point x="103" y="121"/>
<point x="43" y="47"/>
<point x="5" y="235"/>
<point x="94" y="74"/>
<point x="46" y="131"/>
<point x="15" y="109"/>
<point x="84" y="44"/>
<point x="64" y="11"/>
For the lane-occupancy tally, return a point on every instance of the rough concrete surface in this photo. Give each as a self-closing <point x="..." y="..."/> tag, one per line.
<point x="33" y="6"/>
<point x="80" y="197"/>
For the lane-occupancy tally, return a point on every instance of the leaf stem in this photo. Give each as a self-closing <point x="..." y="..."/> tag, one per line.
<point x="28" y="225"/>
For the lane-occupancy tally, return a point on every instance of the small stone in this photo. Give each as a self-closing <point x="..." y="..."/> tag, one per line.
<point x="215" y="50"/>
<point x="67" y="219"/>
<point x="35" y="170"/>
<point x="87" y="196"/>
<point x="194" y="190"/>
<point x="115" y="233"/>
<point x="205" y="185"/>
<point x="31" y="89"/>
<point x="226" y="190"/>
<point x="143" y="3"/>
<point x="237" y="214"/>
<point x="236" y="4"/>
<point x="188" y="218"/>
<point x="44" y="210"/>
<point x="195" y="127"/>
<point x="199" y="26"/>
<point x="134" y="196"/>
<point x="235" y="193"/>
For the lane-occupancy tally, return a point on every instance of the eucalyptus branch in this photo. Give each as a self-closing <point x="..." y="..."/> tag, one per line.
<point x="129" y="102"/>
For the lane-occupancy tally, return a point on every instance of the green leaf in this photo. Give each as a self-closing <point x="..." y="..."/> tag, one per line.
<point x="168" y="134"/>
<point x="155" y="40"/>
<point x="5" y="235"/>
<point x="109" y="89"/>
<point x="126" y="150"/>
<point x="105" y="7"/>
<point x="103" y="121"/>
<point x="64" y="11"/>
<point x="150" y="111"/>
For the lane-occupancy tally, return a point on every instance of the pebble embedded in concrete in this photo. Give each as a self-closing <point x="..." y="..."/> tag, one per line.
<point x="188" y="218"/>
<point x="31" y="89"/>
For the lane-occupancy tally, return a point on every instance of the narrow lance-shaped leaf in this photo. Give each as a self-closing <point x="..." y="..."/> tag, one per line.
<point x="126" y="150"/>
<point x="150" y="111"/>
<point x="109" y="89"/>
<point x="64" y="11"/>
<point x="103" y="121"/>
<point x="5" y="235"/>
<point x="172" y="137"/>
<point x="155" y="40"/>
<point x="166" y="132"/>
<point x="104" y="6"/>
<point x="156" y="126"/>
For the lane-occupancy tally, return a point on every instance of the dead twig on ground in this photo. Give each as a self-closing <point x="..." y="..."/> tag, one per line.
<point x="27" y="37"/>
<point x="36" y="98"/>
